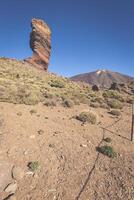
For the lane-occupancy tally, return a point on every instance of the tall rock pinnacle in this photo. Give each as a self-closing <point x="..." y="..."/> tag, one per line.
<point x="40" y="44"/>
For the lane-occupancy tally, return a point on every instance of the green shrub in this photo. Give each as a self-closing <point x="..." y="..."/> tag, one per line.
<point x="33" y="166"/>
<point x="88" y="117"/>
<point x="113" y="95"/>
<point x="98" y="99"/>
<point x="115" y="112"/>
<point x="107" y="150"/>
<point x="68" y="103"/>
<point x="57" y="84"/>
<point x="115" y="104"/>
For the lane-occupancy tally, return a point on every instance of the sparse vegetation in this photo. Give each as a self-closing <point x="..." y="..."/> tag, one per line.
<point x="33" y="166"/>
<point x="115" y="104"/>
<point x="33" y="111"/>
<point x="88" y="117"/>
<point x="68" y="103"/>
<point x="115" y="112"/>
<point x="113" y="95"/>
<point x="107" y="150"/>
<point x="57" y="84"/>
<point x="26" y="85"/>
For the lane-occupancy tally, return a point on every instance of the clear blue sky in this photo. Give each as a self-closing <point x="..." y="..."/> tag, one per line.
<point x="86" y="34"/>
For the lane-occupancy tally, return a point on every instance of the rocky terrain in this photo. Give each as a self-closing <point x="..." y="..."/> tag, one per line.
<point x="40" y="43"/>
<point x="103" y="78"/>
<point x="60" y="140"/>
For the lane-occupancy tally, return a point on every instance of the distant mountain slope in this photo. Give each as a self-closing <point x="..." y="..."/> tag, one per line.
<point x="102" y="78"/>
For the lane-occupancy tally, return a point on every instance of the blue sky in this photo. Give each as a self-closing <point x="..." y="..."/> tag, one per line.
<point x="86" y="34"/>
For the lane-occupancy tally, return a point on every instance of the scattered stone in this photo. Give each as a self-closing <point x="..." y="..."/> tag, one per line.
<point x="11" y="188"/>
<point x="5" y="174"/>
<point x="17" y="173"/>
<point x="40" y="44"/>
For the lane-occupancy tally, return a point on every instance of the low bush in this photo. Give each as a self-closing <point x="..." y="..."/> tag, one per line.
<point x="107" y="150"/>
<point x="88" y="117"/>
<point x="115" y="104"/>
<point x="57" y="84"/>
<point x="115" y="112"/>
<point x="33" y="166"/>
<point x="113" y="95"/>
<point x="68" y="103"/>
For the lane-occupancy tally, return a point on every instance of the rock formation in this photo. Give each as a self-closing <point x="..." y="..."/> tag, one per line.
<point x="40" y="44"/>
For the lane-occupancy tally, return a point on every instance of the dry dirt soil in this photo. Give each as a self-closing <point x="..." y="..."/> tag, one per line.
<point x="70" y="168"/>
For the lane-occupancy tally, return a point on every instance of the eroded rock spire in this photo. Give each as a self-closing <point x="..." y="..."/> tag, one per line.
<point x="40" y="43"/>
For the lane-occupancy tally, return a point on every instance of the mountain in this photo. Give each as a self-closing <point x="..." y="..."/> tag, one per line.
<point x="102" y="77"/>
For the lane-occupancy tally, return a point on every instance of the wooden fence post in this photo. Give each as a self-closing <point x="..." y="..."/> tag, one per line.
<point x="132" y="131"/>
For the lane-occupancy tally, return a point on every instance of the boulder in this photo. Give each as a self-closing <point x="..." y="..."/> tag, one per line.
<point x="11" y="188"/>
<point x="40" y="44"/>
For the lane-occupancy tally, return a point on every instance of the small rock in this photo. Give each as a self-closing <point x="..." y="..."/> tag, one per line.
<point x="17" y="173"/>
<point x="11" y="188"/>
<point x="30" y="173"/>
<point x="83" y="145"/>
<point x="32" y="136"/>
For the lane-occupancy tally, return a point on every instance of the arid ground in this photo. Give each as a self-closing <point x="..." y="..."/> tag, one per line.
<point x="62" y="140"/>
<point x="69" y="168"/>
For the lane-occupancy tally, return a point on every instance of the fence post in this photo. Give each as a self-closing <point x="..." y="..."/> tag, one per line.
<point x="132" y="131"/>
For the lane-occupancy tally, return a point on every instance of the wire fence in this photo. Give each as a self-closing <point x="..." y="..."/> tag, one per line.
<point x="124" y="125"/>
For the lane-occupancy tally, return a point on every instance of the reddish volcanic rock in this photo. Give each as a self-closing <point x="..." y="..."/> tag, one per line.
<point x="40" y="44"/>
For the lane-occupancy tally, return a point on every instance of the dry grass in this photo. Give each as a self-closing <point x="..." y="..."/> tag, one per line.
<point x="88" y="117"/>
<point x="20" y="83"/>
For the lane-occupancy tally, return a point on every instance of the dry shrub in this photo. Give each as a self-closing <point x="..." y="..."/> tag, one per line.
<point x="88" y="117"/>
